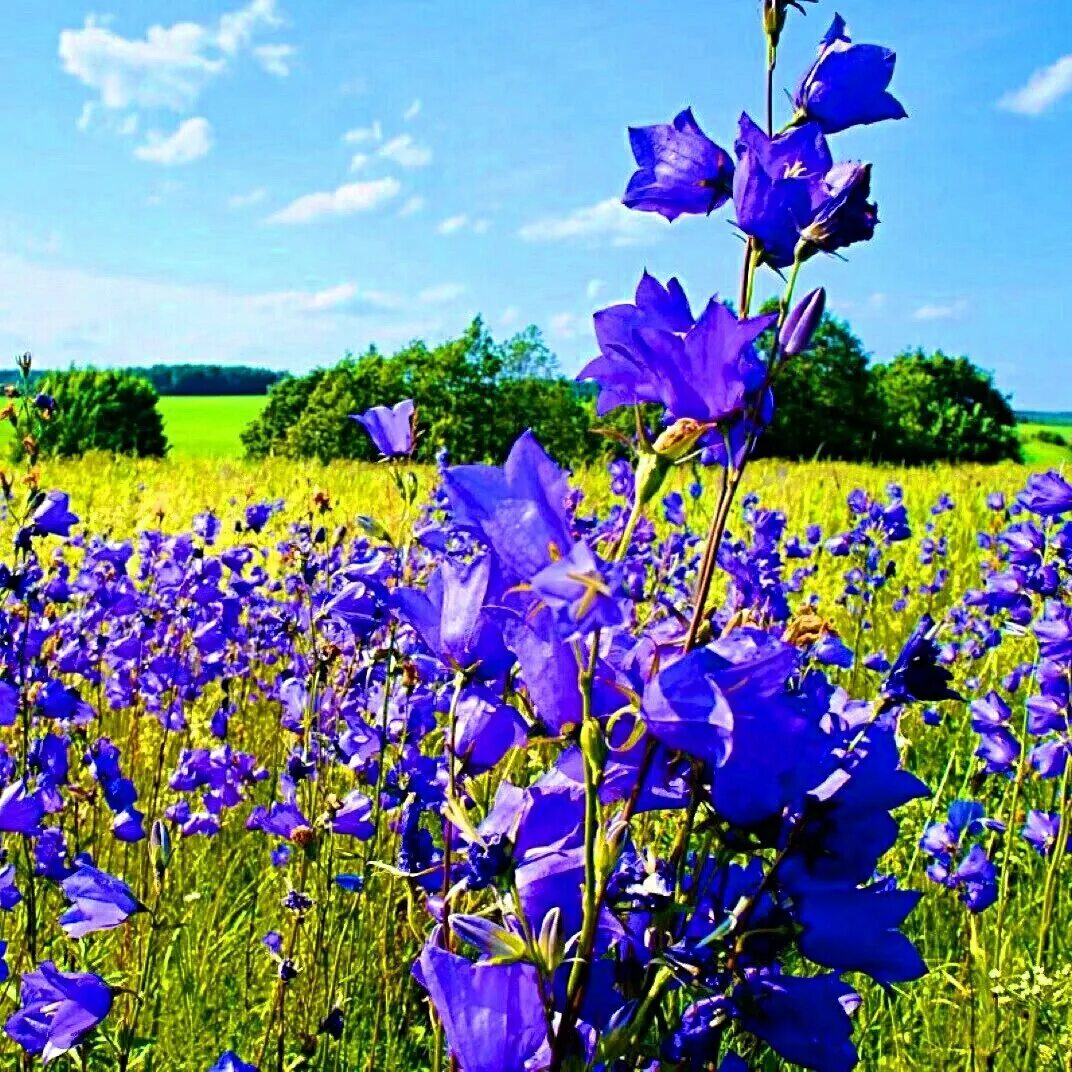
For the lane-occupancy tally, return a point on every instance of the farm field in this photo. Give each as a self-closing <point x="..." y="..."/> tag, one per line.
<point x="1039" y="452"/>
<point x="208" y="426"/>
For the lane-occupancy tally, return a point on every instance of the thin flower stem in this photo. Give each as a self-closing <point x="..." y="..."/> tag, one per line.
<point x="1046" y="919"/>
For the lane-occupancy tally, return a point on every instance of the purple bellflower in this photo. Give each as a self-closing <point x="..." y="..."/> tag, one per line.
<point x="848" y="85"/>
<point x="391" y="428"/>
<point x="679" y="169"/>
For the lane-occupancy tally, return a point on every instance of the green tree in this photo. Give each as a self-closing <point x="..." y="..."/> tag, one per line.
<point x="102" y="410"/>
<point x="944" y="408"/>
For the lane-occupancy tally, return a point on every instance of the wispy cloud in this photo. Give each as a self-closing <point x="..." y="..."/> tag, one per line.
<point x="405" y="152"/>
<point x="453" y="224"/>
<point x="942" y="311"/>
<point x="363" y="135"/>
<point x="190" y="141"/>
<point x="1042" y="90"/>
<point x="342" y="201"/>
<point x="441" y="294"/>
<point x="250" y="197"/>
<point x="565" y="326"/>
<point x="275" y="59"/>
<point x="411" y="206"/>
<point x="595" y="288"/>
<point x="412" y="111"/>
<point x="463" y="222"/>
<point x="608" y="221"/>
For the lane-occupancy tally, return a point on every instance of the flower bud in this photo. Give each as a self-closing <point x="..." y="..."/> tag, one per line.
<point x="159" y="847"/>
<point x="680" y="438"/>
<point x="651" y="471"/>
<point x="593" y="744"/>
<point x="799" y="327"/>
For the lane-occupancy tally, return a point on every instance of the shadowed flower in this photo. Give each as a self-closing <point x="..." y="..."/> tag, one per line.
<point x="916" y="675"/>
<point x="391" y="428"/>
<point x="57" y="1010"/>
<point x="679" y="169"/>
<point x="848" y="85"/>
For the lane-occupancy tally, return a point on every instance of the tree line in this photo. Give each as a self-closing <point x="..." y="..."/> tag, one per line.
<point x="475" y="395"/>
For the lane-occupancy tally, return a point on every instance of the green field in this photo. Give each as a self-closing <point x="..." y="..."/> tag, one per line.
<point x="208" y="426"/>
<point x="1039" y="453"/>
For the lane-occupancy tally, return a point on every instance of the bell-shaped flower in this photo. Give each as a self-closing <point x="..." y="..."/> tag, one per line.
<point x="519" y="510"/>
<point x="391" y="428"/>
<point x="492" y="1014"/>
<point x="848" y="85"/>
<point x="679" y="169"/>
<point x="99" y="902"/>
<point x="57" y="1010"/>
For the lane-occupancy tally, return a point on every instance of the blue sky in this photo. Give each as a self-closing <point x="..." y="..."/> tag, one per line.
<point x="278" y="181"/>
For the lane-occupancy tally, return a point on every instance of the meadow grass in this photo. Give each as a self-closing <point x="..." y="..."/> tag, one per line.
<point x="969" y="1013"/>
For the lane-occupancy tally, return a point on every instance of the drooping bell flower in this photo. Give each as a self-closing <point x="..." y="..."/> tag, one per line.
<point x="99" y="902"/>
<point x="391" y="428"/>
<point x="848" y="85"/>
<point x="679" y="169"/>
<point x="492" y="1014"/>
<point x="52" y="517"/>
<point x="57" y="1010"/>
<point x="353" y="817"/>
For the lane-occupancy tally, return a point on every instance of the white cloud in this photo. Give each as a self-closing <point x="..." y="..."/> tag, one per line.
<point x="509" y="317"/>
<point x="343" y="201"/>
<point x="453" y="224"/>
<point x="245" y="200"/>
<point x="1042" y="90"/>
<point x="565" y="326"/>
<point x="364" y="135"/>
<point x="441" y="294"/>
<point x="594" y="289"/>
<point x="190" y="141"/>
<point x="947" y="311"/>
<point x="275" y="59"/>
<point x="405" y="152"/>
<point x="412" y="111"/>
<point x="608" y="220"/>
<point x="358" y="161"/>
<point x="481" y="226"/>
<point x="412" y="206"/>
<point x="170" y="66"/>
